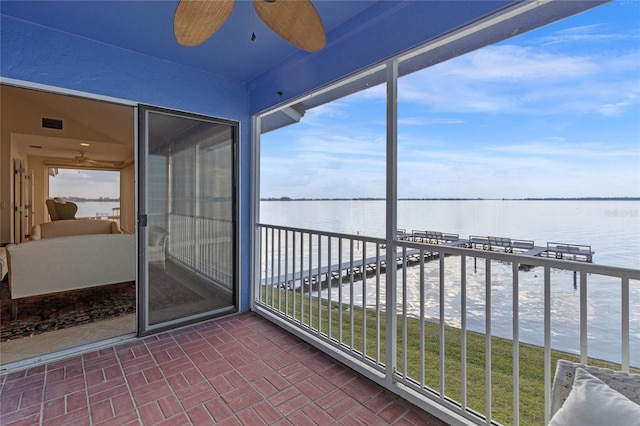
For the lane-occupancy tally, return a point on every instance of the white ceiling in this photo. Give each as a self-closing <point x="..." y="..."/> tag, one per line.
<point x="107" y="127"/>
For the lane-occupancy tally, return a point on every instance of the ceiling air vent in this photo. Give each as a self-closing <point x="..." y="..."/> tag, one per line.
<point x="51" y="123"/>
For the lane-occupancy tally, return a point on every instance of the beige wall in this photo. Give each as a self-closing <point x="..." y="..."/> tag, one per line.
<point x="12" y="121"/>
<point x="40" y="189"/>
<point x="109" y="127"/>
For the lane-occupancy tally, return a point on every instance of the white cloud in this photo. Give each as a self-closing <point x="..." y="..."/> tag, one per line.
<point x="513" y="63"/>
<point x="617" y="108"/>
<point x="527" y="80"/>
<point x="342" y="145"/>
<point x="320" y="175"/>
<point x="558" y="147"/>
<point x="582" y="34"/>
<point x="529" y="173"/>
<point x="331" y="110"/>
<point x="606" y="31"/>
<point x="426" y="121"/>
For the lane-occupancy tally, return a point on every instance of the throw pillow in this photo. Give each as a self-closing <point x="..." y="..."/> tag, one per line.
<point x="592" y="403"/>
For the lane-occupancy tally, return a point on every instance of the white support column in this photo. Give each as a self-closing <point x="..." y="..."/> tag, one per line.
<point x="392" y="220"/>
<point x="254" y="211"/>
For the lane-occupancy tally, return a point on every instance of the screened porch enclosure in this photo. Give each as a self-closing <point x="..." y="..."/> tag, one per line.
<point x="189" y="217"/>
<point x="470" y="332"/>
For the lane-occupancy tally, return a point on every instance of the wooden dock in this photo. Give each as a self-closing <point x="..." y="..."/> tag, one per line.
<point x="345" y="271"/>
<point x="565" y="251"/>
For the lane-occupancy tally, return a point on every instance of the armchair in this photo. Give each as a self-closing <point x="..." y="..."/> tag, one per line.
<point x="60" y="209"/>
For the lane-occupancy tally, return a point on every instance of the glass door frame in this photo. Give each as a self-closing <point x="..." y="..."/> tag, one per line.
<point x="144" y="327"/>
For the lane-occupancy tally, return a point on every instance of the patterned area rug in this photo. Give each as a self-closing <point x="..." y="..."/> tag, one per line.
<point x="39" y="314"/>
<point x="56" y="311"/>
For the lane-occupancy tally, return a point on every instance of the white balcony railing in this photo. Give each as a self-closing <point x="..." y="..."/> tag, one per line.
<point x="205" y="245"/>
<point x="475" y="331"/>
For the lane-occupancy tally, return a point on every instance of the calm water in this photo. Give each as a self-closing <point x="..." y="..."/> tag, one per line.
<point x="611" y="228"/>
<point x="90" y="208"/>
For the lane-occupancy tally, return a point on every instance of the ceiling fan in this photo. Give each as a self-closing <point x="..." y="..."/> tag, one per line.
<point x="84" y="161"/>
<point x="297" y="21"/>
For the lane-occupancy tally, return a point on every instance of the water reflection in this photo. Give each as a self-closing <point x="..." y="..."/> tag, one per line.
<point x="603" y="305"/>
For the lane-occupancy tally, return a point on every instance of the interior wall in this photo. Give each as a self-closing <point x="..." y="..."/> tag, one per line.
<point x="11" y="150"/>
<point x="21" y="110"/>
<point x="40" y="55"/>
<point x="40" y="189"/>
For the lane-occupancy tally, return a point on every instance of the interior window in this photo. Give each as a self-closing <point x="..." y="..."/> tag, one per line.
<point x="95" y="192"/>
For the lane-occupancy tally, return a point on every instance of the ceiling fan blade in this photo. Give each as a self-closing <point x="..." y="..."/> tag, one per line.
<point x="84" y="160"/>
<point x="196" y="20"/>
<point x="296" y="21"/>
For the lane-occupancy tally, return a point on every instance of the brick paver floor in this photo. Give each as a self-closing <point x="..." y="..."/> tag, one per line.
<point x="237" y="370"/>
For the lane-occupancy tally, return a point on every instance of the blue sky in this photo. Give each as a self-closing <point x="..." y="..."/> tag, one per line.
<point x="551" y="113"/>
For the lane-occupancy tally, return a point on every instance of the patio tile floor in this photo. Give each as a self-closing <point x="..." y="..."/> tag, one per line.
<point x="236" y="370"/>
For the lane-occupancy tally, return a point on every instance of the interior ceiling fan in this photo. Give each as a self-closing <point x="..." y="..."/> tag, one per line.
<point x="83" y="160"/>
<point x="297" y="21"/>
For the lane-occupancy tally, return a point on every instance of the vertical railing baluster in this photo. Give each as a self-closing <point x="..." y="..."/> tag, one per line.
<point x="263" y="263"/>
<point x="340" y="336"/>
<point x="364" y="299"/>
<point x="488" y="383"/>
<point x="319" y="284"/>
<point x="329" y="288"/>
<point x="267" y="268"/>
<point x="625" y="324"/>
<point x="404" y="310"/>
<point x="302" y="278"/>
<point x="547" y="343"/>
<point x="279" y="269"/>
<point x="463" y="329"/>
<point x="286" y="272"/>
<point x="584" y="337"/>
<point x="351" y="274"/>
<point x="516" y="343"/>
<point x="422" y="325"/>
<point x="273" y="267"/>
<point x="378" y="303"/>
<point x="310" y="279"/>
<point x="294" y="290"/>
<point x="441" y="324"/>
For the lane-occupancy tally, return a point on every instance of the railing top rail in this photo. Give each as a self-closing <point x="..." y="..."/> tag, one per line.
<point x="377" y="240"/>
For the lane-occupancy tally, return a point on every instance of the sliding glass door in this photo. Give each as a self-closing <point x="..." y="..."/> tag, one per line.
<point x="187" y="218"/>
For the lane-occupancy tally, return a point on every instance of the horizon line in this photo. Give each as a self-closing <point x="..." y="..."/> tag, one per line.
<point x="457" y="199"/>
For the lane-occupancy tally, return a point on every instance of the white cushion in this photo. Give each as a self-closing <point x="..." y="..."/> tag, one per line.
<point x="593" y="403"/>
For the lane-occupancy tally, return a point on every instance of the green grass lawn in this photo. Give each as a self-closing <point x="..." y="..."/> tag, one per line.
<point x="358" y="330"/>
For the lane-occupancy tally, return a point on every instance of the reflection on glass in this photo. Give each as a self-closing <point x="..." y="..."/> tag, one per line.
<point x="190" y="217"/>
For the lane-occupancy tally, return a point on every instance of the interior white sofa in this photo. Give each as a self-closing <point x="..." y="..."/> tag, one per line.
<point x="56" y="262"/>
<point x="63" y="228"/>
